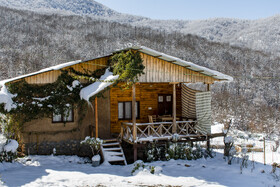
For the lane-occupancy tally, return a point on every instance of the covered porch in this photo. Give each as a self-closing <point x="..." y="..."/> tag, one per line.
<point x="190" y="120"/>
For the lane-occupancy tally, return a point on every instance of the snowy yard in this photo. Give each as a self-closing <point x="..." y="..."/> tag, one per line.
<point x="74" y="171"/>
<point x="71" y="171"/>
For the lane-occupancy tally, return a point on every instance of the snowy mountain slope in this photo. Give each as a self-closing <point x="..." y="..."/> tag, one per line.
<point x="261" y="34"/>
<point x="80" y="7"/>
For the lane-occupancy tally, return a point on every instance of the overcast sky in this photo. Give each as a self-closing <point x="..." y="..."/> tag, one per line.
<point x="196" y="9"/>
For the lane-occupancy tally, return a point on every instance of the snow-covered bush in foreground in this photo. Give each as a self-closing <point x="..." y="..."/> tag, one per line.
<point x="139" y="166"/>
<point x="244" y="158"/>
<point x="8" y="151"/>
<point x="176" y="150"/>
<point x="94" y="144"/>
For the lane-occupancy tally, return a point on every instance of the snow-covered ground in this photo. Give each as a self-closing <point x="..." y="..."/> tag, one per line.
<point x="71" y="171"/>
<point x="75" y="171"/>
<point x="244" y="138"/>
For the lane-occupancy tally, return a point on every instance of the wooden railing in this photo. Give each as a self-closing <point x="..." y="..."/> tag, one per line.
<point x="158" y="131"/>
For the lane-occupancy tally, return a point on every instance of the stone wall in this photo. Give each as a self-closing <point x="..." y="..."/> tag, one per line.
<point x="69" y="147"/>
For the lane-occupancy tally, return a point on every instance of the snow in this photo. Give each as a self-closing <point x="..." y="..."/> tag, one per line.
<point x="96" y="158"/>
<point x="229" y="139"/>
<point x="73" y="171"/>
<point x="6" y="98"/>
<point x="12" y="146"/>
<point x="96" y="87"/>
<point x="65" y="7"/>
<point x="56" y="67"/>
<point x="189" y="65"/>
<point x="2" y="141"/>
<point x="75" y="83"/>
<point x="41" y="99"/>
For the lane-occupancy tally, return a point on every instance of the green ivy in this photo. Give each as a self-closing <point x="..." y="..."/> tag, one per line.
<point x="128" y="65"/>
<point x="35" y="101"/>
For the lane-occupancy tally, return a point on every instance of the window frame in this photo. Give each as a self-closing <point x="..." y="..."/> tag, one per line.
<point x="62" y="116"/>
<point x="138" y="110"/>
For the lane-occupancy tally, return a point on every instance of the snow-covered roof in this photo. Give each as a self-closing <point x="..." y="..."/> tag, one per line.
<point x="105" y="80"/>
<point x="56" y="67"/>
<point x="180" y="62"/>
<point x="143" y="49"/>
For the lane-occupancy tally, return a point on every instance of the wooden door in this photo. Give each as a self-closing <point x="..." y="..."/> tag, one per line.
<point x="165" y="104"/>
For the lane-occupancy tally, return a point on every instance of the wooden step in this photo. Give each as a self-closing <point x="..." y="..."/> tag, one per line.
<point x="110" y="140"/>
<point x="112" y="152"/>
<point x="115" y="159"/>
<point x="112" y="149"/>
<point x="110" y="144"/>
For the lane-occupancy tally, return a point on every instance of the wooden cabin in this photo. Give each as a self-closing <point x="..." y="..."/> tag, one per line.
<point x="159" y="107"/>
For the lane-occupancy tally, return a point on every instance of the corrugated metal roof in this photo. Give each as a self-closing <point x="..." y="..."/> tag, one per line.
<point x="180" y="62"/>
<point x="56" y="67"/>
<point x="143" y="49"/>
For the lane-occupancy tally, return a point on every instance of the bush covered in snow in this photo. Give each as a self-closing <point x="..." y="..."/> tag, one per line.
<point x="94" y="144"/>
<point x="139" y="166"/>
<point x="8" y="150"/>
<point x="176" y="150"/>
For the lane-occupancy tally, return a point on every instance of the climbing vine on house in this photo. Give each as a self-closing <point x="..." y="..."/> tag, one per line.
<point x="34" y="101"/>
<point x="128" y="65"/>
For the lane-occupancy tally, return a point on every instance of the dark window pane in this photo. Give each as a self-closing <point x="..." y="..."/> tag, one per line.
<point x="128" y="110"/>
<point x="120" y="110"/>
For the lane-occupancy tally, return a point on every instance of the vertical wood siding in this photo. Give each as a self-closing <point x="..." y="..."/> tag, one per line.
<point x="147" y="95"/>
<point x="157" y="70"/>
<point x="51" y="76"/>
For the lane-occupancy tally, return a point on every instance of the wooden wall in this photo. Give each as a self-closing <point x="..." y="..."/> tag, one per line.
<point x="43" y="130"/>
<point x="51" y="76"/>
<point x="158" y="70"/>
<point x="147" y="95"/>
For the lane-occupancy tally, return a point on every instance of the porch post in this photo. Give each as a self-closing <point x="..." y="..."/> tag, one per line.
<point x="208" y="87"/>
<point x="134" y="122"/>
<point x="207" y="138"/>
<point x="96" y="119"/>
<point x="174" y="128"/>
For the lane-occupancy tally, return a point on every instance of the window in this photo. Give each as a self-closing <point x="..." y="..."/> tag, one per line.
<point x="125" y="110"/>
<point x="66" y="116"/>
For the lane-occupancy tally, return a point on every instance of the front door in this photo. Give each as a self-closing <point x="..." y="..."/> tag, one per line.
<point x="164" y="104"/>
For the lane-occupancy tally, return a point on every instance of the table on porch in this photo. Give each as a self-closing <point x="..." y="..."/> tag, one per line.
<point x="166" y="118"/>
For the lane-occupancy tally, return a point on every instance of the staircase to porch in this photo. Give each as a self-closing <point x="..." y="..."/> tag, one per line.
<point x="112" y="152"/>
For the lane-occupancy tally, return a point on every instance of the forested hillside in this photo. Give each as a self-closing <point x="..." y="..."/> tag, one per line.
<point x="31" y="41"/>
<point x="260" y="34"/>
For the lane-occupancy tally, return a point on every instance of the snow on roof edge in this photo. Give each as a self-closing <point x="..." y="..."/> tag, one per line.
<point x="105" y="80"/>
<point x="56" y="67"/>
<point x="215" y="74"/>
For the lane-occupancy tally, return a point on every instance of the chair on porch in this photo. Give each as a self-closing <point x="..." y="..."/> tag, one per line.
<point x="152" y="118"/>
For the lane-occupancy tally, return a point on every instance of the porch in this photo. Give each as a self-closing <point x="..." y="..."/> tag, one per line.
<point x="189" y="116"/>
<point x="149" y="132"/>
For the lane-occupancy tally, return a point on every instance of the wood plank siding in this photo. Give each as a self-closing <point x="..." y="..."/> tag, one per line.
<point x="147" y="95"/>
<point x="156" y="70"/>
<point x="159" y="71"/>
<point x="51" y="76"/>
